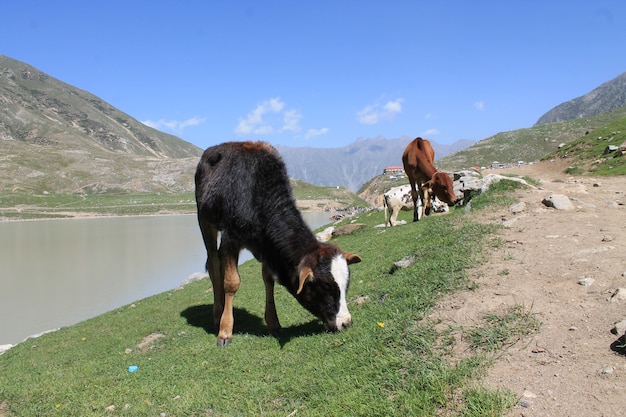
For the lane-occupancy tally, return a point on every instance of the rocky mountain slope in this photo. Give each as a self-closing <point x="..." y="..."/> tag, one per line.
<point x="608" y="96"/>
<point x="57" y="138"/>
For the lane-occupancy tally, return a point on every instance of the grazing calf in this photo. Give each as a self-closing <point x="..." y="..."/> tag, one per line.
<point x="419" y="164"/>
<point x="242" y="191"/>
<point x="395" y="200"/>
<point x="399" y="199"/>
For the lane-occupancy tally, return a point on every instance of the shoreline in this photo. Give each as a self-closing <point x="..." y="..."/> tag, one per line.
<point x="312" y="206"/>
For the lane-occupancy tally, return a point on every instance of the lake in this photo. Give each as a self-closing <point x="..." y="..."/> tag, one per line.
<point x="55" y="273"/>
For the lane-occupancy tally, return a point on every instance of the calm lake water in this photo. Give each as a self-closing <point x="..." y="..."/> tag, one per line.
<point x="55" y="273"/>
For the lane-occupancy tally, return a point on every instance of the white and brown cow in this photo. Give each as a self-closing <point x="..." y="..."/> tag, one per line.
<point x="399" y="199"/>
<point x="242" y="191"/>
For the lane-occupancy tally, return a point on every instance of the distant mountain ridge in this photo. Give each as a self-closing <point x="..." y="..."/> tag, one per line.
<point x="353" y="165"/>
<point x="608" y="96"/>
<point x="59" y="139"/>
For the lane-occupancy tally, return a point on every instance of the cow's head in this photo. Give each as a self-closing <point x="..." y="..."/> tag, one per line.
<point x="324" y="279"/>
<point x="442" y="187"/>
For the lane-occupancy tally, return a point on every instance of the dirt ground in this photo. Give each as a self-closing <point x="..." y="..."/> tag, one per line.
<point x="569" y="367"/>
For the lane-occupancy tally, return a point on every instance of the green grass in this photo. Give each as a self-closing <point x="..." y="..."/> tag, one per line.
<point x="533" y="144"/>
<point x="392" y="361"/>
<point x="504" y="329"/>
<point x="20" y="206"/>
<point x="499" y="195"/>
<point x="588" y="152"/>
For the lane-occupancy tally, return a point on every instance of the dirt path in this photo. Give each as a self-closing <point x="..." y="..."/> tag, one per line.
<point x="568" y="368"/>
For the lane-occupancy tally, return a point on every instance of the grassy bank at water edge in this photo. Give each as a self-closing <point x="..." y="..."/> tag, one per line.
<point x="392" y="361"/>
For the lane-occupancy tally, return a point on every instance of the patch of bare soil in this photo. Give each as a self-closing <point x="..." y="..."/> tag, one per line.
<point x="547" y="257"/>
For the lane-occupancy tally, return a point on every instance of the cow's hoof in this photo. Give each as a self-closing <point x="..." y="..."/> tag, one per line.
<point x="276" y="332"/>
<point x="223" y="342"/>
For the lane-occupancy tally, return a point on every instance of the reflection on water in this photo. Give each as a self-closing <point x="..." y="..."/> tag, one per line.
<point x="55" y="273"/>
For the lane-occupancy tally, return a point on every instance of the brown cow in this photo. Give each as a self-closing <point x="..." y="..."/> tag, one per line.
<point x="419" y="164"/>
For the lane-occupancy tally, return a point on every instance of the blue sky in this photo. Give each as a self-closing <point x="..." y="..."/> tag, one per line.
<point x="324" y="73"/>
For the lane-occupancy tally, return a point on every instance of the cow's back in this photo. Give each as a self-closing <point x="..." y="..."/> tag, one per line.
<point x="418" y="160"/>
<point x="234" y="178"/>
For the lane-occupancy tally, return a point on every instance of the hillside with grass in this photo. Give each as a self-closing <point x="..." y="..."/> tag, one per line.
<point x="392" y="361"/>
<point x="60" y="139"/>
<point x="530" y="144"/>
<point x="601" y="152"/>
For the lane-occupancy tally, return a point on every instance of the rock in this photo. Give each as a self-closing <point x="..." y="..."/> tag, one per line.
<point x="586" y="282"/>
<point x="607" y="238"/>
<point x="608" y="370"/>
<point x="405" y="262"/>
<point x="362" y="299"/>
<point x="619" y="295"/>
<point x="490" y="179"/>
<point x="196" y="276"/>
<point x="528" y="394"/>
<point x="619" y="328"/>
<point x="558" y="201"/>
<point x="325" y="235"/>
<point x="517" y="207"/>
<point x="347" y="229"/>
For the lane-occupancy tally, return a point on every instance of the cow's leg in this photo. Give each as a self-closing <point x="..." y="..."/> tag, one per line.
<point x="393" y="219"/>
<point x="414" y="196"/>
<point x="271" y="318"/>
<point x="424" y="195"/>
<point x="426" y="200"/>
<point x="229" y="257"/>
<point x="387" y="221"/>
<point x="209" y="235"/>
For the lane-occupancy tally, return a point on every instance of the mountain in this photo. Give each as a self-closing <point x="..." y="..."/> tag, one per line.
<point x="353" y="165"/>
<point x="608" y="96"/>
<point x="528" y="144"/>
<point x="57" y="138"/>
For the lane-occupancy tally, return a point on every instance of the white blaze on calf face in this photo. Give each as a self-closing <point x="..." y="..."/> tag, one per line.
<point x="341" y="274"/>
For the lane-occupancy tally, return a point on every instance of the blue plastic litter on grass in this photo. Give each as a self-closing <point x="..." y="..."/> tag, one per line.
<point x="133" y="368"/>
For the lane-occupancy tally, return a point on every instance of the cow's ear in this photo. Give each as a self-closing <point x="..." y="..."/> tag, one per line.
<point x="352" y="258"/>
<point x="305" y="273"/>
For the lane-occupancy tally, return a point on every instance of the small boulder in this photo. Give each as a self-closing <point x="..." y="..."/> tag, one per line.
<point x="558" y="201"/>
<point x="517" y="207"/>
<point x="619" y="328"/>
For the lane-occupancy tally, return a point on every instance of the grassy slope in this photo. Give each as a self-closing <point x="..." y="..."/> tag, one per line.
<point x="529" y="144"/>
<point x="392" y="361"/>
<point x="588" y="152"/>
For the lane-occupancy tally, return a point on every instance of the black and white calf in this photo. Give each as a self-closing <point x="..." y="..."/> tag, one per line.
<point x="400" y="199"/>
<point x="242" y="191"/>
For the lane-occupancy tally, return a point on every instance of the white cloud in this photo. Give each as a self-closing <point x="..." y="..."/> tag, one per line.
<point x="375" y="113"/>
<point x="291" y="120"/>
<point x="316" y="132"/>
<point x="430" y="132"/>
<point x="479" y="105"/>
<point x="175" y="126"/>
<point x="262" y="120"/>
